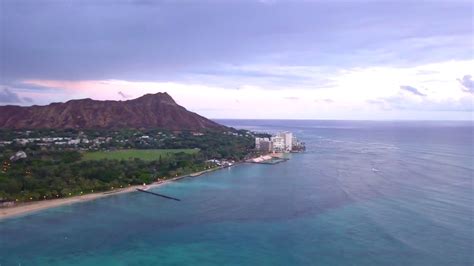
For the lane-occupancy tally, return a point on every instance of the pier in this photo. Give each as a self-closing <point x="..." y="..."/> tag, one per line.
<point x="156" y="194"/>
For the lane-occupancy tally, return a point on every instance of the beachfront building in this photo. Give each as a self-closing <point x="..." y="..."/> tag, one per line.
<point x="280" y="142"/>
<point x="263" y="144"/>
<point x="266" y="146"/>
<point x="298" y="145"/>
<point x="258" y="141"/>
<point x="288" y="139"/>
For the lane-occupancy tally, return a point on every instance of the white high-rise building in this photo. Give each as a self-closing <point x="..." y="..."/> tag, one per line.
<point x="278" y="143"/>
<point x="281" y="142"/>
<point x="287" y="140"/>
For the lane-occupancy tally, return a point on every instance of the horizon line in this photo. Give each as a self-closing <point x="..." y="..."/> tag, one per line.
<point x="361" y="120"/>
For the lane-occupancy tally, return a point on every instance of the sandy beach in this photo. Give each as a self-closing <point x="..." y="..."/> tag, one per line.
<point x="25" y="208"/>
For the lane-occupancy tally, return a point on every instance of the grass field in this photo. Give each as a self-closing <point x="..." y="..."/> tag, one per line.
<point x="147" y="155"/>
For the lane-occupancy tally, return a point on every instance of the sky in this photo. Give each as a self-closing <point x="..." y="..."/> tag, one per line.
<point x="361" y="60"/>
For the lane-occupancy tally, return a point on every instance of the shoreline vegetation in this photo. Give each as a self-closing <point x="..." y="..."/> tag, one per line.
<point x="35" y="206"/>
<point x="42" y="169"/>
<point x="50" y="164"/>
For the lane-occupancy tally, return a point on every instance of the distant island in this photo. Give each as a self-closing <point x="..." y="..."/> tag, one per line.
<point x="81" y="147"/>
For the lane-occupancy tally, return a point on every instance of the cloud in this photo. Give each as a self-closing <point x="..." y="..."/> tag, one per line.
<point x="327" y="100"/>
<point x="27" y="99"/>
<point x="7" y="96"/>
<point x="124" y="96"/>
<point x="383" y="104"/>
<point x="439" y="83"/>
<point x="186" y="37"/>
<point x="467" y="83"/>
<point x="375" y="101"/>
<point x="399" y="102"/>
<point x="267" y="2"/>
<point x="412" y="90"/>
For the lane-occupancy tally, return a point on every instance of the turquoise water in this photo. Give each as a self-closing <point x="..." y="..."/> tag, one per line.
<point x="364" y="193"/>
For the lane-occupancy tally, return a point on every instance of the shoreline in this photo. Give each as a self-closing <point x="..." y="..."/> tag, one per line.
<point x="31" y="207"/>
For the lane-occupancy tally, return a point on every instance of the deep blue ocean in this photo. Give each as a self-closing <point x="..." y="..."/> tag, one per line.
<point x="364" y="193"/>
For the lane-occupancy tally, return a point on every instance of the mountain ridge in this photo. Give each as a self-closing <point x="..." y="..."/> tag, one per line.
<point x="148" y="111"/>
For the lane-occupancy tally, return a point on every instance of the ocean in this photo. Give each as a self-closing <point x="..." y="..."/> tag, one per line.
<point x="364" y="193"/>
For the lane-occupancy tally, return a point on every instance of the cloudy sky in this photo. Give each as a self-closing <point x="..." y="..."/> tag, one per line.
<point x="246" y="59"/>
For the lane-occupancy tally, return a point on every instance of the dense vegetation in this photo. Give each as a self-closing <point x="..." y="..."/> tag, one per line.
<point x="64" y="170"/>
<point x="146" y="155"/>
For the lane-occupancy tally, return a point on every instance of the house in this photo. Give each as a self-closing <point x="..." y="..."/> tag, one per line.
<point x="17" y="156"/>
<point x="74" y="142"/>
